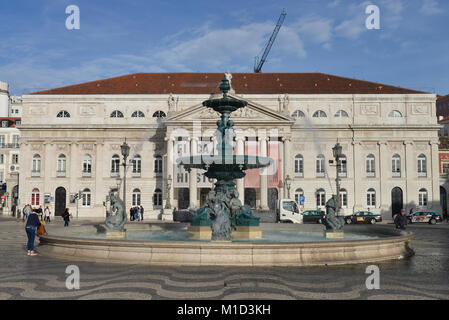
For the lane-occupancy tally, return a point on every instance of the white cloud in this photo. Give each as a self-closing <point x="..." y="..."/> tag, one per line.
<point x="430" y="7"/>
<point x="316" y="29"/>
<point x="219" y="48"/>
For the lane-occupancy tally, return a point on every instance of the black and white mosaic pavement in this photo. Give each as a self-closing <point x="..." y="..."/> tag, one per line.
<point x="424" y="276"/>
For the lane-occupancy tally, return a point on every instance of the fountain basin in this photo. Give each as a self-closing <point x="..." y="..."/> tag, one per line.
<point x="386" y="244"/>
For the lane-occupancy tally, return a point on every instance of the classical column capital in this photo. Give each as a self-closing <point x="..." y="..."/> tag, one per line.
<point x="355" y="142"/>
<point x="240" y="138"/>
<point x="286" y="138"/>
<point x="406" y="142"/>
<point x="382" y="142"/>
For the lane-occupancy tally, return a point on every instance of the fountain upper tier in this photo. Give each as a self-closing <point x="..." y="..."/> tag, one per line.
<point x="224" y="164"/>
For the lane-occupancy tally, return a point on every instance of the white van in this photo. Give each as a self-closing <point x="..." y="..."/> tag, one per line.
<point x="287" y="210"/>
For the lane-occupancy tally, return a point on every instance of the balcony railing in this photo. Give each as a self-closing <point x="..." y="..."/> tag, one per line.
<point x="114" y="174"/>
<point x="136" y="174"/>
<point x="60" y="174"/>
<point x="9" y="146"/>
<point x="86" y="174"/>
<point x="35" y="173"/>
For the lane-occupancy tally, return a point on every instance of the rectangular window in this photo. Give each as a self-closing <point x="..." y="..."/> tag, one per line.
<point x="445" y="168"/>
<point x="2" y="141"/>
<point x="2" y="159"/>
<point x="370" y="167"/>
<point x="15" y="159"/>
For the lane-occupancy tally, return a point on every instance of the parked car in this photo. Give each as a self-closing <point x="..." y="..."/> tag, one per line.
<point x="430" y="217"/>
<point x="183" y="215"/>
<point x="363" y="217"/>
<point x="313" y="216"/>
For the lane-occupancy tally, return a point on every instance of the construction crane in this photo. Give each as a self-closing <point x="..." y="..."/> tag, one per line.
<point x="259" y="63"/>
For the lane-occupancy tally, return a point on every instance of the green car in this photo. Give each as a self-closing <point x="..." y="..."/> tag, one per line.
<point x="430" y="217"/>
<point x="363" y="217"/>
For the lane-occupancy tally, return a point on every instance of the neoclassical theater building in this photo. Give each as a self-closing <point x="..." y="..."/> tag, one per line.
<point x="71" y="137"/>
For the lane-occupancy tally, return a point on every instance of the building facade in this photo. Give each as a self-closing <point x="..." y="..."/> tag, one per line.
<point x="71" y="138"/>
<point x="443" y="106"/>
<point x="9" y="151"/>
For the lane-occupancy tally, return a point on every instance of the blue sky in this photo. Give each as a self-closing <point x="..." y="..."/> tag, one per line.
<point x="119" y="37"/>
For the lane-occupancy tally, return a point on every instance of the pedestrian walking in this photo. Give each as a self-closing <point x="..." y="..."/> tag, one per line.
<point x="47" y="214"/>
<point x="31" y="226"/>
<point x="401" y="220"/>
<point x="66" y="216"/>
<point x="141" y="213"/>
<point x="131" y="214"/>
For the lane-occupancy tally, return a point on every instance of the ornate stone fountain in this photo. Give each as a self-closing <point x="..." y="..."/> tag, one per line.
<point x="224" y="212"/>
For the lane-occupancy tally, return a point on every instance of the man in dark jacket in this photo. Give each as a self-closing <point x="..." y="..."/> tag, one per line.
<point x="141" y="213"/>
<point x="401" y="220"/>
<point x="31" y="226"/>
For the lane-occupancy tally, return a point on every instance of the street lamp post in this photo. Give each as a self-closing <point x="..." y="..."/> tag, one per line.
<point x="168" y="204"/>
<point x="337" y="151"/>
<point x="125" y="153"/>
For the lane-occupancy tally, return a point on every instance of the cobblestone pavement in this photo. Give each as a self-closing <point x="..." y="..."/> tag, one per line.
<point x="424" y="276"/>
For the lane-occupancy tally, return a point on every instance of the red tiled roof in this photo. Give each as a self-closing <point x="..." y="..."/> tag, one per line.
<point x="242" y="83"/>
<point x="442" y="98"/>
<point x="11" y="120"/>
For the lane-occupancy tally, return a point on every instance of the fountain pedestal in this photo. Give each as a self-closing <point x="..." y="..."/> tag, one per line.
<point x="116" y="234"/>
<point x="334" y="234"/>
<point x="200" y="232"/>
<point x="247" y="232"/>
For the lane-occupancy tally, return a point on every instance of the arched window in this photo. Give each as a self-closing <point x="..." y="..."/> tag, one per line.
<point x="138" y="114"/>
<point x="137" y="164"/>
<point x="370" y="166"/>
<point x="115" y="165"/>
<point x="342" y="166"/>
<point x="320" y="198"/>
<point x="341" y="114"/>
<point x="159" y="114"/>
<point x="158" y="165"/>
<point x="320" y="114"/>
<point x="396" y="165"/>
<point x="116" y="114"/>
<point x="86" y="198"/>
<point x="298" y="194"/>
<point x="299" y="165"/>
<point x="35" y="197"/>
<point x="62" y="165"/>
<point x="298" y="114"/>
<point x="157" y="198"/>
<point x="136" y="197"/>
<point x="63" y="114"/>
<point x="87" y="165"/>
<point x="422" y="201"/>
<point x="371" y="198"/>
<point x="36" y="168"/>
<point x="422" y="166"/>
<point x="344" y="198"/>
<point x="395" y="114"/>
<point x="320" y="166"/>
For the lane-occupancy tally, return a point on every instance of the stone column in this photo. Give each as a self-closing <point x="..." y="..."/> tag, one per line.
<point x="74" y="172"/>
<point x="411" y="174"/>
<point x="263" y="176"/>
<point x="282" y="190"/>
<point x="287" y="160"/>
<point x="193" y="175"/>
<point x="384" y="169"/>
<point x="170" y="155"/>
<point x="359" y="167"/>
<point x="435" y="175"/>
<point x="241" y="182"/>
<point x="100" y="191"/>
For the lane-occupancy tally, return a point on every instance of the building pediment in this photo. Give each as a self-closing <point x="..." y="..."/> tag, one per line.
<point x="253" y="112"/>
